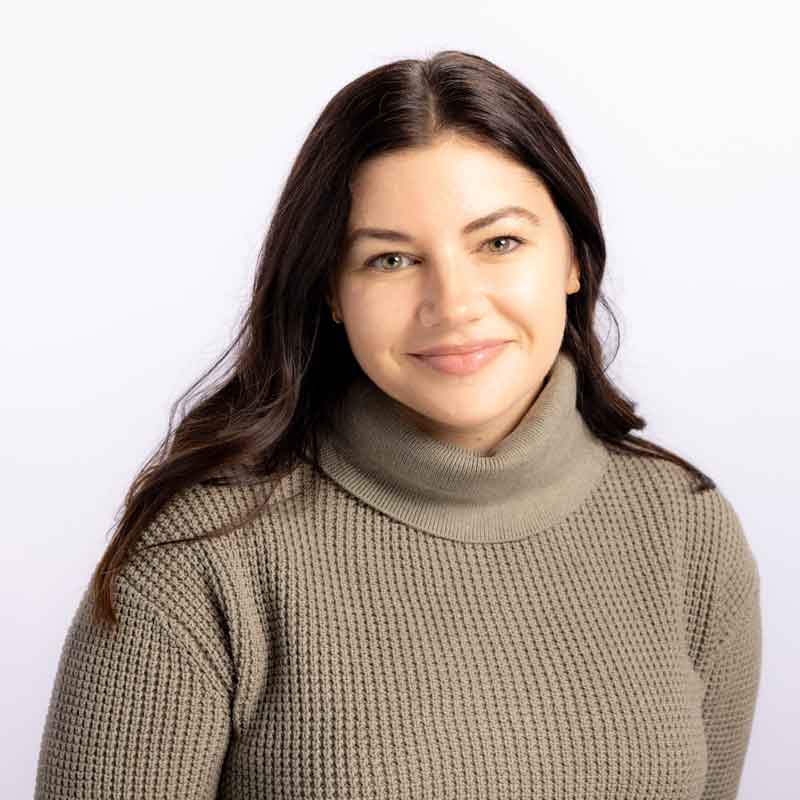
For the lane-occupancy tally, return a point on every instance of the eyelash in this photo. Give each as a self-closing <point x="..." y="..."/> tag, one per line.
<point x="371" y="263"/>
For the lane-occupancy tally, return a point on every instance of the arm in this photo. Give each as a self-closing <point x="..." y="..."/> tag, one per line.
<point x="133" y="712"/>
<point x="732" y="682"/>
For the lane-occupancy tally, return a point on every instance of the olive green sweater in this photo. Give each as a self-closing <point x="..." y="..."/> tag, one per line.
<point x="554" y="620"/>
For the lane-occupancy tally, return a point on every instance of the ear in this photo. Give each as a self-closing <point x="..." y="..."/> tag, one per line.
<point x="574" y="282"/>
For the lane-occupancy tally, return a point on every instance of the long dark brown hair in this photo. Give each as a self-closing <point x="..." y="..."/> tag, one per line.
<point x="291" y="363"/>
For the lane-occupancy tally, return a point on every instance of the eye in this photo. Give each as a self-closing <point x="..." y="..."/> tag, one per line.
<point x="505" y="239"/>
<point x="372" y="263"/>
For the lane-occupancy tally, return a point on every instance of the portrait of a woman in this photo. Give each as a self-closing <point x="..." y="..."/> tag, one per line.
<point x="411" y="545"/>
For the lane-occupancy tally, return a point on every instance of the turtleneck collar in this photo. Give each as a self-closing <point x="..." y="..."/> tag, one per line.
<point x="536" y="475"/>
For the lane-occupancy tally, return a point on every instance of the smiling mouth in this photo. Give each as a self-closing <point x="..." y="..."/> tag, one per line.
<point x="462" y="363"/>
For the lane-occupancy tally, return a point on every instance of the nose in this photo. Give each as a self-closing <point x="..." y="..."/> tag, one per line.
<point x="452" y="294"/>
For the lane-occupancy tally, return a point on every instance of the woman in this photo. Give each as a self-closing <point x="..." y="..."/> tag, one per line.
<point x="411" y="548"/>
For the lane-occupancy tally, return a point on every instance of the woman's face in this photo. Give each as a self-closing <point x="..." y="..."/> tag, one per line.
<point x="436" y="282"/>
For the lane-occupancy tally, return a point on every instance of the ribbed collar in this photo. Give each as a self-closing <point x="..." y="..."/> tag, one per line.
<point x="537" y="474"/>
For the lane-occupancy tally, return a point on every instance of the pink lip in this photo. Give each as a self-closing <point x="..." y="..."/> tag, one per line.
<point x="462" y="363"/>
<point x="458" y="349"/>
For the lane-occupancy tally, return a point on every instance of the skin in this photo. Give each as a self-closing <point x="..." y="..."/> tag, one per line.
<point x="444" y="286"/>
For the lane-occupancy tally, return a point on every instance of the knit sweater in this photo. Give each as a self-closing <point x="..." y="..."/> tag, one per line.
<point x="556" y="619"/>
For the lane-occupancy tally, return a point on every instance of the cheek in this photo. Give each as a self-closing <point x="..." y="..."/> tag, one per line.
<point x="375" y="319"/>
<point x="532" y="288"/>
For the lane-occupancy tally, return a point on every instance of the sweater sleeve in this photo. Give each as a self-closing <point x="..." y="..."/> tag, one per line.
<point x="134" y="712"/>
<point x="732" y="681"/>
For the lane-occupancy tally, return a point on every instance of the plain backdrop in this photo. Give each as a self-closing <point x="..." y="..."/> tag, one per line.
<point x="142" y="148"/>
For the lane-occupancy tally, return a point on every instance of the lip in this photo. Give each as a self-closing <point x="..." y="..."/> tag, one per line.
<point x="458" y="349"/>
<point x="464" y="363"/>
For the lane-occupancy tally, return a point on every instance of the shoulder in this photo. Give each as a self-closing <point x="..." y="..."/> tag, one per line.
<point x="713" y="553"/>
<point x="207" y="540"/>
<point x="204" y="590"/>
<point x="707" y="518"/>
<point x="716" y="544"/>
<point x="194" y="515"/>
<point x="708" y="515"/>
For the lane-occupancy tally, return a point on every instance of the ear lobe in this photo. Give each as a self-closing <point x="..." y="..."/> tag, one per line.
<point x="575" y="275"/>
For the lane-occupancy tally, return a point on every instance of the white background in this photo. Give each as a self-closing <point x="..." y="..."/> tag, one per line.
<point x="143" y="146"/>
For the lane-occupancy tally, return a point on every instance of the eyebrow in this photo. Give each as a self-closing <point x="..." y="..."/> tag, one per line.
<point x="481" y="222"/>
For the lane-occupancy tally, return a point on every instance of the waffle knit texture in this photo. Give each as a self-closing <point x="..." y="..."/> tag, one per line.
<point x="556" y="619"/>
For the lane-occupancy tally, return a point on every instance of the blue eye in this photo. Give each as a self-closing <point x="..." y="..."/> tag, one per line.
<point x="372" y="262"/>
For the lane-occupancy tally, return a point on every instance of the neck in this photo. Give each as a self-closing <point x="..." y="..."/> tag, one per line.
<point x="534" y="477"/>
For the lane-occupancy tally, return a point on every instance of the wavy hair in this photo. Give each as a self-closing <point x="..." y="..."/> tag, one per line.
<point x="291" y="363"/>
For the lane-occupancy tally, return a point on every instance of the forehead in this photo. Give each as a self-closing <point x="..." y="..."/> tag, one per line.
<point x="453" y="158"/>
<point x="452" y="184"/>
